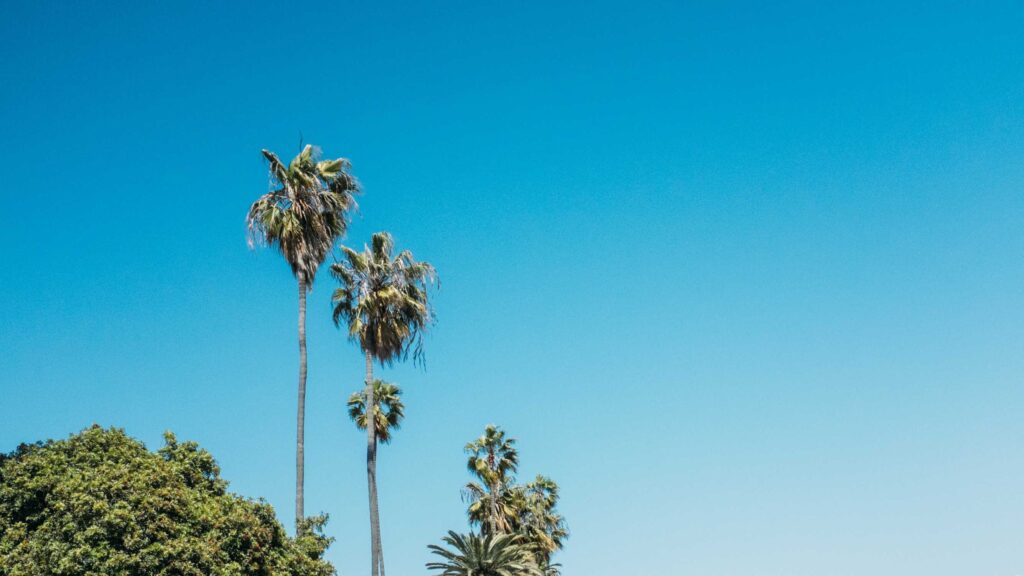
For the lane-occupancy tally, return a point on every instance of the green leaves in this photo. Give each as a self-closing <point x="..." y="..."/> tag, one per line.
<point x="100" y="503"/>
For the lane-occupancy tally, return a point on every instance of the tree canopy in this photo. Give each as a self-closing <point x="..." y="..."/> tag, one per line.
<point x="100" y="503"/>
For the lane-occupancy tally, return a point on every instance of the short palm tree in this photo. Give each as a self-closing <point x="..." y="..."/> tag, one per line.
<point x="303" y="214"/>
<point x="526" y="510"/>
<point x="383" y="299"/>
<point x="492" y="555"/>
<point x="538" y="520"/>
<point x="492" y="458"/>
<point x="389" y="409"/>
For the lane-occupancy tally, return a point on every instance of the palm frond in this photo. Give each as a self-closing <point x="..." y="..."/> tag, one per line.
<point x="472" y="555"/>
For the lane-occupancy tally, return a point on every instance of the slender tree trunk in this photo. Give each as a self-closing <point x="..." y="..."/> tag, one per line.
<point x="376" y="511"/>
<point x="494" y="493"/>
<point x="300" y="461"/>
<point x="376" y="560"/>
<point x="380" y="545"/>
<point x="494" y="508"/>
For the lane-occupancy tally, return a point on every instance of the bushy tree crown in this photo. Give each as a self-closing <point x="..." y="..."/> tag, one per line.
<point x="100" y="503"/>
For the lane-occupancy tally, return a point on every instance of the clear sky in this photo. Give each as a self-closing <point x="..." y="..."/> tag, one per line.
<point x="745" y="280"/>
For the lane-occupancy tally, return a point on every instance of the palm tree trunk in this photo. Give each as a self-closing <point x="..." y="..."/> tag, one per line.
<point x="376" y="560"/>
<point x="380" y="545"/>
<point x="493" y="512"/>
<point x="300" y="462"/>
<point x="494" y="509"/>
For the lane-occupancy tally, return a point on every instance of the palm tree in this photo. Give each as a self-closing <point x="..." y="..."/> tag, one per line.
<point x="389" y="412"/>
<point x="492" y="457"/>
<point x="383" y="299"/>
<point x="389" y="409"/>
<point x="303" y="214"/>
<point x="538" y="521"/>
<point x="491" y="555"/>
<point x="526" y="510"/>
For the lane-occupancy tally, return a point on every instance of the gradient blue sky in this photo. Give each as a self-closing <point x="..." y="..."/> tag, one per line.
<point x="745" y="280"/>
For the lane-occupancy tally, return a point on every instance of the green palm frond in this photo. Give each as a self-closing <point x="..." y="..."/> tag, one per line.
<point x="472" y="555"/>
<point x="388" y="407"/>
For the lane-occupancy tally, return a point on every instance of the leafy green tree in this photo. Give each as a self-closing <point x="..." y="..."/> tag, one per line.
<point x="99" y="503"/>
<point x="493" y="459"/>
<point x="302" y="216"/>
<point x="383" y="299"/>
<point x="491" y="555"/>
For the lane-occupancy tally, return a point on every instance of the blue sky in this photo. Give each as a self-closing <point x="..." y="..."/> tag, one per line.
<point x="745" y="280"/>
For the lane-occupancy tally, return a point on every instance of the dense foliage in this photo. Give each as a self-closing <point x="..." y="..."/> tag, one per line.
<point x="100" y="503"/>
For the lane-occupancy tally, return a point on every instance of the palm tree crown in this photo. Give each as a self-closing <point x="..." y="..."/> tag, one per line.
<point x="383" y="298"/>
<point x="307" y="210"/>
<point x="492" y="456"/>
<point x="493" y="555"/>
<point x="493" y="459"/>
<point x="537" y="518"/>
<point x="389" y="409"/>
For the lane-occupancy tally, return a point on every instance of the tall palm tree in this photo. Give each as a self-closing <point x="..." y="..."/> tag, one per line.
<point x="493" y="458"/>
<point x="389" y="409"/>
<point x="302" y="216"/>
<point x="383" y="300"/>
<point x="491" y="555"/>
